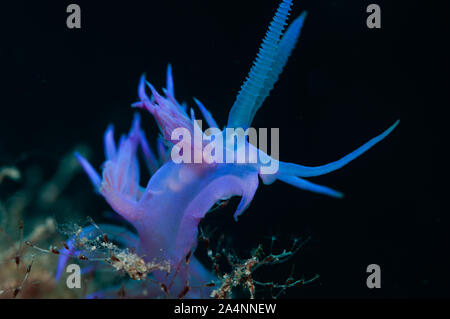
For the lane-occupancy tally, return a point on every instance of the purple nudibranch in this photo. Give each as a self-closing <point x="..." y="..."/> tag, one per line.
<point x="167" y="211"/>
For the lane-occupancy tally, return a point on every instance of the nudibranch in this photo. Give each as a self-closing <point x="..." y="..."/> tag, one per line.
<point x="166" y="213"/>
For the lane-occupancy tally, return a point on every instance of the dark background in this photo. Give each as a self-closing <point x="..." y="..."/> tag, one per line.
<point x="343" y="85"/>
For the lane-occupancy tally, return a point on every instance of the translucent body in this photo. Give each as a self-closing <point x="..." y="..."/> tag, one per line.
<point x="166" y="213"/>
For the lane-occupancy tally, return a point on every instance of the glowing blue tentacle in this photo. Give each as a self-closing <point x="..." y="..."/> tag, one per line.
<point x="192" y="113"/>
<point x="287" y="44"/>
<point x="90" y="171"/>
<point x="169" y="81"/>
<point x="305" y="171"/>
<point x="243" y="107"/>
<point x="206" y="114"/>
<point x="306" y="185"/>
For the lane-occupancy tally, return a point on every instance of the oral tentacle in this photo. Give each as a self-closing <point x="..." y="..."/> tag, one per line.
<point x="206" y="114"/>
<point x="308" y="171"/>
<point x="307" y="185"/>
